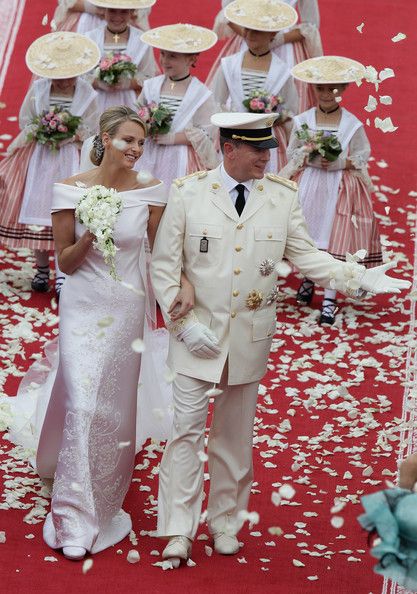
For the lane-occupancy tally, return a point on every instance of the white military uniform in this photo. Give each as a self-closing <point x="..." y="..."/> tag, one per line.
<point x="235" y="295"/>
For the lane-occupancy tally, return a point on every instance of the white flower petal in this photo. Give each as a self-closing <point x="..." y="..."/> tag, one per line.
<point x="133" y="556"/>
<point x="87" y="565"/>
<point x="138" y="345"/>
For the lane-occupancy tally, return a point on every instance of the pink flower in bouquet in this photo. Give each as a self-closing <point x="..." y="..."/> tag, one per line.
<point x="311" y="146"/>
<point x="49" y="116"/>
<point x="62" y="128"/>
<point x="105" y="64"/>
<point x="273" y="101"/>
<point x="124" y="58"/>
<point x="52" y="124"/>
<point x="254" y="104"/>
<point x="268" y="110"/>
<point x="144" y="113"/>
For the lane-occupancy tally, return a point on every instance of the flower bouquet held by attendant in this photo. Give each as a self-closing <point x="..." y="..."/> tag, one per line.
<point x="255" y="75"/>
<point x="115" y="66"/>
<point x="189" y="145"/>
<point x="321" y="143"/>
<point x="53" y="126"/>
<point x="58" y="112"/>
<point x="327" y="155"/>
<point x="126" y="61"/>
<point x="262" y="102"/>
<point x="292" y="45"/>
<point x="157" y="116"/>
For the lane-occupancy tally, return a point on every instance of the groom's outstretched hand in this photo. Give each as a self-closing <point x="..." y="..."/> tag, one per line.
<point x="374" y="280"/>
<point x="200" y="341"/>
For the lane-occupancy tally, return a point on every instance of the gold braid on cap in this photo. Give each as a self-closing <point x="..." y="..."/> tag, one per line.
<point x="236" y="137"/>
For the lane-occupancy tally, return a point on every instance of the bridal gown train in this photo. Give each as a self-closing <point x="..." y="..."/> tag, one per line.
<point x="87" y="442"/>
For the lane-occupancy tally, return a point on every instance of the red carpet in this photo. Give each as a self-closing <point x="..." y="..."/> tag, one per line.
<point x="332" y="396"/>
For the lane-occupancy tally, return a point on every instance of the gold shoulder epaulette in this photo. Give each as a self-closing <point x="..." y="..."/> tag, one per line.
<point x="282" y="180"/>
<point x="179" y="182"/>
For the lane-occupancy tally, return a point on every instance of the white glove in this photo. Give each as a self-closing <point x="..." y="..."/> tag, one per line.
<point x="166" y="138"/>
<point x="374" y="280"/>
<point x="200" y="341"/>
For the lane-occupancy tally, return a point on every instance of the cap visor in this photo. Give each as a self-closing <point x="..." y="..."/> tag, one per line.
<point x="264" y="144"/>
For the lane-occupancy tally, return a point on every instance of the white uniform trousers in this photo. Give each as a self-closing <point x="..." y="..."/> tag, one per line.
<point x="181" y="474"/>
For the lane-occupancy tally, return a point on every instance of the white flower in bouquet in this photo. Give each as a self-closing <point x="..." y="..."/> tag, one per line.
<point x="98" y="210"/>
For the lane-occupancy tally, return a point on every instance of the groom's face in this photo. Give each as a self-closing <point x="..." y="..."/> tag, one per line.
<point x="249" y="162"/>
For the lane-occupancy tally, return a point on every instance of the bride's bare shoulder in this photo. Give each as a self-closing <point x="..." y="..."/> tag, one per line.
<point x="84" y="178"/>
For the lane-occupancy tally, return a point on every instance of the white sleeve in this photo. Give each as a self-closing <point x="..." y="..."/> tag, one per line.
<point x="202" y="134"/>
<point x="290" y="96"/>
<point x="295" y="155"/>
<point x="147" y="67"/>
<point x="309" y="12"/>
<point x="220" y="89"/>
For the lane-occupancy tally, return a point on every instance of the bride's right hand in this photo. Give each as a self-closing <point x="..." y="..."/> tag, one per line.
<point x="183" y="302"/>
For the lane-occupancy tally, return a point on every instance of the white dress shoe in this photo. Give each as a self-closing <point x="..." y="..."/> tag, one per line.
<point x="178" y="549"/>
<point x="74" y="553"/>
<point x="225" y="544"/>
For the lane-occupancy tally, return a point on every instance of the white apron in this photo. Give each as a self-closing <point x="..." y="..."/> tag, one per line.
<point x="167" y="162"/>
<point x="319" y="188"/>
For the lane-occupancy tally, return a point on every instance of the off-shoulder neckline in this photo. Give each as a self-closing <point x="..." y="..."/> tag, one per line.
<point x="119" y="191"/>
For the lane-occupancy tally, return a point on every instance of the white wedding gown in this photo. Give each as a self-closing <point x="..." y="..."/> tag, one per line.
<point x="88" y="385"/>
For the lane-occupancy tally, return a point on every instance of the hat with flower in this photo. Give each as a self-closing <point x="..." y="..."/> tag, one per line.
<point x="329" y="70"/>
<point x="62" y="54"/>
<point x="181" y="38"/>
<point x="261" y="15"/>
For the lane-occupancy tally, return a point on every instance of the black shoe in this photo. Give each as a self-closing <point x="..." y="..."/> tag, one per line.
<point x="305" y="292"/>
<point x="40" y="281"/>
<point x="328" y="311"/>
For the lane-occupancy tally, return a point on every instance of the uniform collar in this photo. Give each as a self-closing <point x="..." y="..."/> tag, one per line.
<point x="230" y="183"/>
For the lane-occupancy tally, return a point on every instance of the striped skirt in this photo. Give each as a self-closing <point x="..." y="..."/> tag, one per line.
<point x="354" y="224"/>
<point x="13" y="170"/>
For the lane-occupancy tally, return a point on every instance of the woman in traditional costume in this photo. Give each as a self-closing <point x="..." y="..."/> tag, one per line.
<point x="31" y="167"/>
<point x="117" y="39"/>
<point x="292" y="45"/>
<point x="256" y="72"/>
<point x="334" y="185"/>
<point x="189" y="145"/>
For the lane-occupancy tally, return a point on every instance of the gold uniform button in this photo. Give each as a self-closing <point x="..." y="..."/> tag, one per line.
<point x="236" y="271"/>
<point x="233" y="314"/>
<point x="235" y="293"/>
<point x="269" y="235"/>
<point x="240" y="226"/>
<point x="238" y="248"/>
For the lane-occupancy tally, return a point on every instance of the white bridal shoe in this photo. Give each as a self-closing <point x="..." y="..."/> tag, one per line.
<point x="225" y="544"/>
<point x="74" y="553"/>
<point x="178" y="549"/>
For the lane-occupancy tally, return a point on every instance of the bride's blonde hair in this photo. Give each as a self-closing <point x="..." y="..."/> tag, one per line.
<point x="110" y="122"/>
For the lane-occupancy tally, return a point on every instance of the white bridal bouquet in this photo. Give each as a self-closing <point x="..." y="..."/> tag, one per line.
<point x="97" y="210"/>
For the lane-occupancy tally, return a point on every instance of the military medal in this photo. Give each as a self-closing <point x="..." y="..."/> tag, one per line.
<point x="204" y="245"/>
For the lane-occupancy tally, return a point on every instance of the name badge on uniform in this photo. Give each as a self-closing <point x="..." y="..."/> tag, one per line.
<point x="204" y="245"/>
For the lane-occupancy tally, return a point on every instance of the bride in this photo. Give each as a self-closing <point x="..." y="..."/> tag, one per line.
<point x="87" y="441"/>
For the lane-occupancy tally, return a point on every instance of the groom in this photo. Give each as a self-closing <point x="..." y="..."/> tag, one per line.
<point x="228" y="229"/>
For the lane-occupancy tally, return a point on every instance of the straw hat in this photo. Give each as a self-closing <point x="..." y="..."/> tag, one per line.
<point x="261" y="15"/>
<point x="329" y="70"/>
<point x="62" y="54"/>
<point x="126" y="4"/>
<point x="181" y="38"/>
